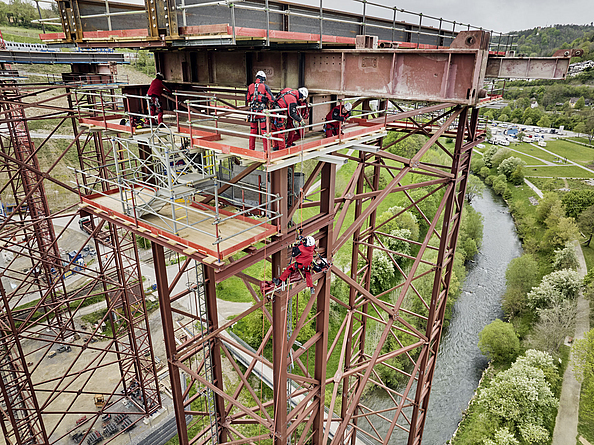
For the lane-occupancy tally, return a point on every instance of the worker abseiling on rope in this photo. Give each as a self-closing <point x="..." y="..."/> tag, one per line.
<point x="288" y="99"/>
<point x="258" y="97"/>
<point x="155" y="92"/>
<point x="339" y="114"/>
<point x="303" y="254"/>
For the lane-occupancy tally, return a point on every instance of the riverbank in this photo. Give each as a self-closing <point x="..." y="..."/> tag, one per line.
<point x="544" y="229"/>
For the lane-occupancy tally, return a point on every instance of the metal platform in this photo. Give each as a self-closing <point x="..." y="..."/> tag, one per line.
<point x="69" y="58"/>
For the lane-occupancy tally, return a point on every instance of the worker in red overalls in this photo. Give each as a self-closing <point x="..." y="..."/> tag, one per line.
<point x="303" y="253"/>
<point x="288" y="99"/>
<point x="339" y="114"/>
<point x="257" y="98"/>
<point x="299" y="133"/>
<point x="155" y="91"/>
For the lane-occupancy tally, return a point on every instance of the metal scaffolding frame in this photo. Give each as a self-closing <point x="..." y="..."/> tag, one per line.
<point x="211" y="372"/>
<point x="42" y="301"/>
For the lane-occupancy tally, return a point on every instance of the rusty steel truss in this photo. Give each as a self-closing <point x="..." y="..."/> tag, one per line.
<point x="40" y="300"/>
<point x="307" y="371"/>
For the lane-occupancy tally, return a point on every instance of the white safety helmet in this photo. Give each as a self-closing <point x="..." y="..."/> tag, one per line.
<point x="261" y="74"/>
<point x="348" y="106"/>
<point x="303" y="92"/>
<point x="309" y="241"/>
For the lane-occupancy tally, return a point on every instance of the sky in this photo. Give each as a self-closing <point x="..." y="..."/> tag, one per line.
<point x="497" y="15"/>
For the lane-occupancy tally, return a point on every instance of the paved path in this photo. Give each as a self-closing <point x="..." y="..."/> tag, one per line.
<point x="569" y="161"/>
<point x="534" y="188"/>
<point x="565" y="432"/>
<point x="548" y="163"/>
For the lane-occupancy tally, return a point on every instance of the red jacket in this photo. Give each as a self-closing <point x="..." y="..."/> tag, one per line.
<point x="289" y="98"/>
<point x="306" y="254"/>
<point x="156" y="88"/>
<point x="335" y="114"/>
<point x="264" y="92"/>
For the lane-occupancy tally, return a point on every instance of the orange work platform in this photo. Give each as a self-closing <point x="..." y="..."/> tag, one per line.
<point x="247" y="231"/>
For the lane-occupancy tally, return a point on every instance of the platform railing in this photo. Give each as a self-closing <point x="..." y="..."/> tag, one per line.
<point x="438" y="31"/>
<point x="205" y="112"/>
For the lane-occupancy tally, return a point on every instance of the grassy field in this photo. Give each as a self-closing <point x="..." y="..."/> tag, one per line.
<point x="563" y="171"/>
<point x="575" y="152"/>
<point x="21" y="35"/>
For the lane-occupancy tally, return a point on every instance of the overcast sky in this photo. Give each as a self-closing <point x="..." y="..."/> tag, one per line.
<point x="498" y="15"/>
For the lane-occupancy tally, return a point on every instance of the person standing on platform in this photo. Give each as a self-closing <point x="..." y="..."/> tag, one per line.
<point x="155" y="92"/>
<point x="339" y="114"/>
<point x="288" y="99"/>
<point x="299" y="133"/>
<point x="257" y="98"/>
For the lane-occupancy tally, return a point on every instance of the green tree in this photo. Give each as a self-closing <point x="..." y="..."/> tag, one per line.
<point x="474" y="188"/>
<point x="565" y="258"/>
<point x="521" y="136"/>
<point x="509" y="165"/>
<point x="544" y="122"/>
<point x="485" y="171"/>
<point x="580" y="128"/>
<point x="555" y="287"/>
<point x="517" y="177"/>
<point x="476" y="164"/>
<point x="576" y="201"/>
<point x="580" y="104"/>
<point x="528" y="121"/>
<point x="521" y="276"/>
<point x="504" y="117"/>
<point x="502" y="154"/>
<point x="586" y="223"/>
<point x="521" y="399"/>
<point x="488" y="155"/>
<point x="499" y="342"/>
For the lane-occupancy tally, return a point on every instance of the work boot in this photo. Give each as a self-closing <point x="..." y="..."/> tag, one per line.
<point x="276" y="281"/>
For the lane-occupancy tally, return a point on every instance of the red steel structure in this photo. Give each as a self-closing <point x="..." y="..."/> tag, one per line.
<point x="131" y="185"/>
<point x="40" y="302"/>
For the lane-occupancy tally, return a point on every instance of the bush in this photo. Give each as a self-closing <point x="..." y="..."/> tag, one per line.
<point x="477" y="164"/>
<point x="517" y="177"/>
<point x="499" y="342"/>
<point x="501" y="155"/>
<point x="509" y="165"/>
<point x="521" y="399"/>
<point x="499" y="186"/>
<point x="554" y="288"/>
<point x="484" y="172"/>
<point x="565" y="258"/>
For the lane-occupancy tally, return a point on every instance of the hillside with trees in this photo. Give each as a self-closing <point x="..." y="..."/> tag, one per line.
<point x="545" y="41"/>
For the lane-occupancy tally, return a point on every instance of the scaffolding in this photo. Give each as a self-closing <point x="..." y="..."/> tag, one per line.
<point x="43" y="294"/>
<point x="190" y="185"/>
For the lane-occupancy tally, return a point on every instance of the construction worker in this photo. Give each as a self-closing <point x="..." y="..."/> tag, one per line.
<point x="288" y="99"/>
<point x="299" y="133"/>
<point x="154" y="92"/>
<point x="339" y="114"/>
<point x="258" y="98"/>
<point x="303" y="253"/>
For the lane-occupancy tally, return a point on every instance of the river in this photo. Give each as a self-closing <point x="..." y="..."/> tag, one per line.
<point x="460" y="363"/>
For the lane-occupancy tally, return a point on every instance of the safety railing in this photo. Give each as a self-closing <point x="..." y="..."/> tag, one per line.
<point x="418" y="28"/>
<point x="369" y="17"/>
<point x="208" y="113"/>
<point x="158" y="179"/>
